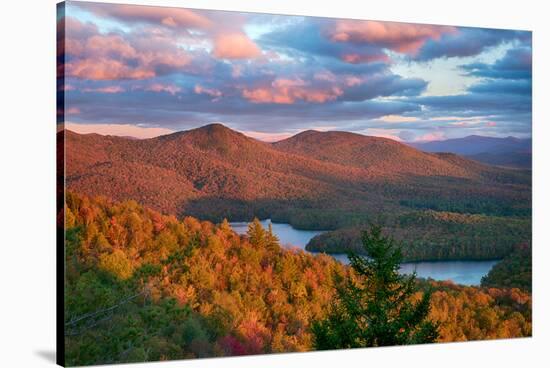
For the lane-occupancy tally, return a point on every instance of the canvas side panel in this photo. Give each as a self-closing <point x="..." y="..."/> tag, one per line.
<point x="60" y="187"/>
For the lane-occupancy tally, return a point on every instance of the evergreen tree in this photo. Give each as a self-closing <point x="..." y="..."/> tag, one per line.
<point x="376" y="309"/>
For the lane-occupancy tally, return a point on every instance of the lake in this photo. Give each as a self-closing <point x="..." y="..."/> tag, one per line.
<point x="460" y="272"/>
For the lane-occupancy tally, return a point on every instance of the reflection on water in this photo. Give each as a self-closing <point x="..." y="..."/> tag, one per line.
<point x="460" y="272"/>
<point x="288" y="236"/>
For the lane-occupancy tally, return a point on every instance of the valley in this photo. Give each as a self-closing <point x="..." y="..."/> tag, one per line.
<point x="441" y="206"/>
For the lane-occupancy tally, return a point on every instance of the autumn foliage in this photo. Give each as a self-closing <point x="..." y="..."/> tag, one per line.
<point x="141" y="286"/>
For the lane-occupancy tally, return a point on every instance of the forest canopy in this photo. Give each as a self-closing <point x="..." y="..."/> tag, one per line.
<point x="142" y="286"/>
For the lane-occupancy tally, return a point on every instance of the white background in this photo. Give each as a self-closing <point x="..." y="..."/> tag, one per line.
<point x="27" y="180"/>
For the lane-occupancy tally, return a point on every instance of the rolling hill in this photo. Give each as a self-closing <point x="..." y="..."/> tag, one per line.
<point x="381" y="156"/>
<point x="312" y="180"/>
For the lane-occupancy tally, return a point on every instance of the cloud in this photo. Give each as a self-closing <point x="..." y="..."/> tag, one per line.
<point x="466" y="42"/>
<point x="235" y="46"/>
<point x="280" y="74"/>
<point x="206" y="28"/>
<point x="352" y="80"/>
<point x="105" y="69"/>
<point x="516" y="64"/>
<point x="398" y="118"/>
<point x="158" y="87"/>
<point x="357" y="58"/>
<point x="212" y="92"/>
<point x="77" y="28"/>
<point x="96" y="56"/>
<point x="121" y="130"/>
<point x="503" y="86"/>
<point x="288" y="91"/>
<point x="107" y="89"/>
<point x="434" y="136"/>
<point x="193" y="110"/>
<point x="475" y="103"/>
<point x="400" y="37"/>
<point x="156" y="15"/>
<point x="314" y="40"/>
<point x="383" y="85"/>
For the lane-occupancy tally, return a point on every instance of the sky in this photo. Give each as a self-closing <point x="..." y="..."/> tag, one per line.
<point x="144" y="71"/>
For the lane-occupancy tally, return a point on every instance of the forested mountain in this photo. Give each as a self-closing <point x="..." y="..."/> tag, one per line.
<point x="383" y="157"/>
<point x="314" y="180"/>
<point x="509" y="151"/>
<point x="214" y="172"/>
<point x="142" y="286"/>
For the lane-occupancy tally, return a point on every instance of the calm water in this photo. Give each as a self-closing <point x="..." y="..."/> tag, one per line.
<point x="460" y="272"/>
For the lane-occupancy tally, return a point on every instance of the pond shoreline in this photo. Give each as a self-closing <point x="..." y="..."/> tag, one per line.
<point x="461" y="271"/>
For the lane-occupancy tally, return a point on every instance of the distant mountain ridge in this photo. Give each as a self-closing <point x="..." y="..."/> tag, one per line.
<point x="509" y="151"/>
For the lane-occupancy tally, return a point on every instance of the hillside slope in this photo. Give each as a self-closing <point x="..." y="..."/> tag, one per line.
<point x="214" y="172"/>
<point x="141" y="286"/>
<point x="381" y="156"/>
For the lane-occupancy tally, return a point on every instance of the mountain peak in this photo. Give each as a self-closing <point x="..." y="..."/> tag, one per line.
<point x="216" y="132"/>
<point x="215" y="127"/>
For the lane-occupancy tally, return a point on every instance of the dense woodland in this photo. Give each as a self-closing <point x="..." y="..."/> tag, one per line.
<point x="515" y="270"/>
<point x="433" y="235"/>
<point x="142" y="286"/>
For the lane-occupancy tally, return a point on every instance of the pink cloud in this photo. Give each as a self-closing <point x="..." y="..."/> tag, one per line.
<point x="200" y="90"/>
<point x="401" y="37"/>
<point x="235" y="46"/>
<point x="325" y="75"/>
<point x="110" y="45"/>
<point x="351" y="81"/>
<point x="170" y="17"/>
<point x="98" y="56"/>
<point x="288" y="91"/>
<point x="169" y="88"/>
<point x="77" y="28"/>
<point x="491" y="124"/>
<point x="434" y="136"/>
<point x="348" y="80"/>
<point x="105" y="69"/>
<point x="108" y="89"/>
